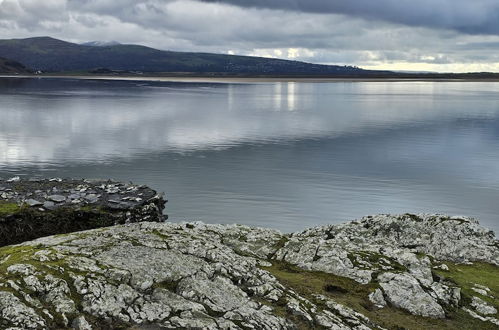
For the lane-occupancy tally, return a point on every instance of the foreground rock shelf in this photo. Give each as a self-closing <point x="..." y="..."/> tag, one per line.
<point x="381" y="272"/>
<point x="40" y="207"/>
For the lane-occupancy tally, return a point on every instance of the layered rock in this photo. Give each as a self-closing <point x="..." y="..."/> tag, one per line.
<point x="40" y="207"/>
<point x="192" y="275"/>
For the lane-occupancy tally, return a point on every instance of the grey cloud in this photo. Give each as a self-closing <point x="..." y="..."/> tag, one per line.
<point x="475" y="17"/>
<point x="334" y="38"/>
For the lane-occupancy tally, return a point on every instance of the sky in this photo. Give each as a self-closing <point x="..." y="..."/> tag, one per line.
<point x="422" y="35"/>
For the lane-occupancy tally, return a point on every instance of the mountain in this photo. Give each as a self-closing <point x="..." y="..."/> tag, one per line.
<point x="12" y="67"/>
<point x="100" y="43"/>
<point x="53" y="55"/>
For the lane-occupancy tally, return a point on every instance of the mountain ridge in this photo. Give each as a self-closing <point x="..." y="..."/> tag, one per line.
<point x="53" y="55"/>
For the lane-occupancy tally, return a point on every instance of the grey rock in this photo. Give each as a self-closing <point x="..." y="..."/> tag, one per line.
<point x="45" y="197"/>
<point x="404" y="291"/>
<point x="482" y="307"/>
<point x="480" y="291"/>
<point x="57" y="198"/>
<point x="33" y="202"/>
<point x="446" y="295"/>
<point x="49" y="205"/>
<point x="194" y="275"/>
<point x="80" y="323"/>
<point x="17" y="313"/>
<point x="377" y="298"/>
<point x="490" y="319"/>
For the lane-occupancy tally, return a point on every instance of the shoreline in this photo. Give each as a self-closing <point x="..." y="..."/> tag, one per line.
<point x="242" y="80"/>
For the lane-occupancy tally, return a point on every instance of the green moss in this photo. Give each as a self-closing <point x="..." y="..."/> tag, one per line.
<point x="160" y="234"/>
<point x="376" y="259"/>
<point x="8" y="208"/>
<point x="355" y="295"/>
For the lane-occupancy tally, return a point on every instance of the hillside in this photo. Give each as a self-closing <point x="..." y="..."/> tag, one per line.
<point x="12" y="67"/>
<point x="52" y="55"/>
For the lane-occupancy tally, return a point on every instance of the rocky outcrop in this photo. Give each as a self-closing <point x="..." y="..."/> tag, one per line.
<point x="359" y="275"/>
<point x="40" y="207"/>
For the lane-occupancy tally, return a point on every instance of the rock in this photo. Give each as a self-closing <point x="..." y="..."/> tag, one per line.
<point x="57" y="206"/>
<point x="480" y="291"/>
<point x="442" y="267"/>
<point x="482" y="307"/>
<point x="33" y="202"/>
<point x="377" y="298"/>
<point x="404" y="291"/>
<point x="57" y="198"/>
<point x="446" y="295"/>
<point x="149" y="275"/>
<point x="80" y="323"/>
<point x="482" y="318"/>
<point x="49" y="205"/>
<point x="17" y="313"/>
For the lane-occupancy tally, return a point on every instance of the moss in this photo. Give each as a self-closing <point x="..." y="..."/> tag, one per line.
<point x="375" y="259"/>
<point x="355" y="295"/>
<point x="7" y="208"/>
<point x="160" y="234"/>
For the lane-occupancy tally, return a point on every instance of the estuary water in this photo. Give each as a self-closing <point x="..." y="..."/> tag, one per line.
<point x="286" y="155"/>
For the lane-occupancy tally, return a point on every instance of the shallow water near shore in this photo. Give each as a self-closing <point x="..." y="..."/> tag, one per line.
<point x="284" y="155"/>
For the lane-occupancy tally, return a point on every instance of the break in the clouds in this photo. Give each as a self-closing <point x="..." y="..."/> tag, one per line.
<point x="438" y="35"/>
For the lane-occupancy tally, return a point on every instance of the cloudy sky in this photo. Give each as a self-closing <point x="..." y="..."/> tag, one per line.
<point x="433" y="35"/>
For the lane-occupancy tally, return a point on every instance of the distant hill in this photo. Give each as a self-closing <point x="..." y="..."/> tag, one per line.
<point x="100" y="43"/>
<point x="53" y="55"/>
<point x="12" y="67"/>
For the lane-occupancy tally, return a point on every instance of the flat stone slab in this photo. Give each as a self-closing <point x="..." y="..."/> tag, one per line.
<point x="32" y="208"/>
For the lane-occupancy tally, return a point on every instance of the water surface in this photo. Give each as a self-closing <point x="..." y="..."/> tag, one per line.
<point x="283" y="155"/>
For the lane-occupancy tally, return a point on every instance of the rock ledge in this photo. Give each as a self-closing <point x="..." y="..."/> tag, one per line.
<point x="40" y="207"/>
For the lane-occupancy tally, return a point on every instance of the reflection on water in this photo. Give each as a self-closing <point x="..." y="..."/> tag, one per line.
<point x="285" y="155"/>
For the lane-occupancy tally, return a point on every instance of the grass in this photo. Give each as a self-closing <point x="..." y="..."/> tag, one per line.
<point x="7" y="208"/>
<point x="466" y="276"/>
<point x="355" y="295"/>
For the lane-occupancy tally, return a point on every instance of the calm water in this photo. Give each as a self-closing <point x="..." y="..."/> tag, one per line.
<point x="283" y="155"/>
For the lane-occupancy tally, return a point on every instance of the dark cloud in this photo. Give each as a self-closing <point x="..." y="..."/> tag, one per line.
<point x="467" y="16"/>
